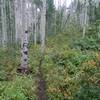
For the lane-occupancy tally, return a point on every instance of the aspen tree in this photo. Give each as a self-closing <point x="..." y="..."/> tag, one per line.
<point x="24" y="39"/>
<point x="42" y="26"/>
<point x="85" y="19"/>
<point x="3" y="17"/>
<point x="35" y="22"/>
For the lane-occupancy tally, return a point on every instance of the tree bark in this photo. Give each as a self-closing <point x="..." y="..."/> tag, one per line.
<point x="24" y="57"/>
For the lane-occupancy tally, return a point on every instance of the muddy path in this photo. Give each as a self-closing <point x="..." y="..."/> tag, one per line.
<point x="41" y="94"/>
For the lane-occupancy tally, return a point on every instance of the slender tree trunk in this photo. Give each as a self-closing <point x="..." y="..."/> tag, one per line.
<point x="35" y="34"/>
<point x="43" y="25"/>
<point x="55" y="30"/>
<point x="0" y="24"/>
<point x="3" y="16"/>
<point x="17" y="24"/>
<point x="85" y="21"/>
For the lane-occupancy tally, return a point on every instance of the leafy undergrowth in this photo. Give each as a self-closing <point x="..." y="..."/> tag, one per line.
<point x="70" y="73"/>
<point x="19" y="88"/>
<point x="14" y="86"/>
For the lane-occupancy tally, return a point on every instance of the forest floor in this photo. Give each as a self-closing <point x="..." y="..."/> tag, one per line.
<point x="65" y="72"/>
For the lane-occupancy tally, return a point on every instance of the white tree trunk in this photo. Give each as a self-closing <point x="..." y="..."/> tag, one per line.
<point x="3" y="16"/>
<point x="42" y="26"/>
<point x="24" y="36"/>
<point x="35" y="34"/>
<point x="85" y="21"/>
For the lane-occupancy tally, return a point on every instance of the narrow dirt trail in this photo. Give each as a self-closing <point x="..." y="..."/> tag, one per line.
<point x="41" y="84"/>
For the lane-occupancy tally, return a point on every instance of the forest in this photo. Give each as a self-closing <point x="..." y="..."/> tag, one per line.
<point x="49" y="49"/>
